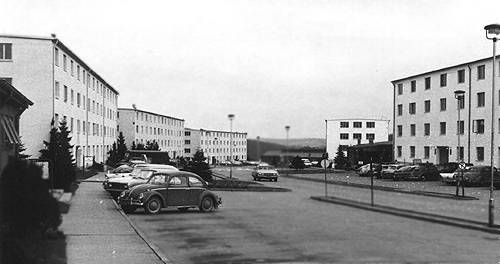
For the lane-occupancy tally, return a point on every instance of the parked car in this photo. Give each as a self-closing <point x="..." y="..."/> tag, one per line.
<point x="265" y="172"/>
<point x="120" y="171"/>
<point x="389" y="170"/>
<point x="480" y="176"/>
<point x="421" y="171"/>
<point x="179" y="189"/>
<point x="116" y="185"/>
<point x="307" y="163"/>
<point x="447" y="171"/>
<point x="366" y="169"/>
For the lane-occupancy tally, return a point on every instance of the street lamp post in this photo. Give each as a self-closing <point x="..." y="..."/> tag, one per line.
<point x="492" y="32"/>
<point x="459" y="95"/>
<point x="287" y="128"/>
<point x="231" y="117"/>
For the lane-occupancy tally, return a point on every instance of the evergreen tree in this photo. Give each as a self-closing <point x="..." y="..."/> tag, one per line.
<point x="22" y="148"/>
<point x="113" y="155"/>
<point x="121" y="147"/>
<point x="198" y="166"/>
<point x="140" y="146"/>
<point x="51" y="150"/>
<point x="340" y="159"/>
<point x="133" y="147"/>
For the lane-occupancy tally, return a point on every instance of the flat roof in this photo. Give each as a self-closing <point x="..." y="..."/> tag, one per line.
<point x="138" y="110"/>
<point x="354" y="119"/>
<point x="219" y="131"/>
<point x="61" y="45"/>
<point x="444" y="69"/>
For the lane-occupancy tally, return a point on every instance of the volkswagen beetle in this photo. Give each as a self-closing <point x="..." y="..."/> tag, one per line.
<point x="167" y="189"/>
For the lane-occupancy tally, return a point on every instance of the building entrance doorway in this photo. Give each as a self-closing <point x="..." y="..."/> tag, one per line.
<point x="442" y="155"/>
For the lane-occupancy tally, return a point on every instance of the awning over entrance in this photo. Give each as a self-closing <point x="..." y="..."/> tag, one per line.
<point x="9" y="129"/>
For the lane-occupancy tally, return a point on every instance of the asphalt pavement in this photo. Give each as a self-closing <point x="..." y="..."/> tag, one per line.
<point x="289" y="227"/>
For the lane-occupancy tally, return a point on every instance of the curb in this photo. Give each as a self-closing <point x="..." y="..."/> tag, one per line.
<point x="273" y="189"/>
<point x="388" y="189"/>
<point x="433" y="218"/>
<point x="154" y="248"/>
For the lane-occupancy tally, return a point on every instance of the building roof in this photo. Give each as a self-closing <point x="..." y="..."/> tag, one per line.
<point x="143" y="111"/>
<point x="10" y="92"/>
<point x="63" y="47"/>
<point x="354" y="119"/>
<point x="444" y="69"/>
<point x="218" y="131"/>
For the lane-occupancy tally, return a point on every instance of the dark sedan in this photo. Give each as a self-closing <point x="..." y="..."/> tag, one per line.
<point x="178" y="189"/>
<point x="480" y="176"/>
<point x="421" y="171"/>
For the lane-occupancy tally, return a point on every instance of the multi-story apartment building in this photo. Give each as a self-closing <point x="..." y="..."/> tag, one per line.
<point x="215" y="144"/>
<point x="140" y="126"/>
<point x="348" y="132"/>
<point x="61" y="86"/>
<point x="426" y="125"/>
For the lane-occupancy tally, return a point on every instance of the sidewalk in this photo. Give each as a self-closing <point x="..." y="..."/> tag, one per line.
<point x="96" y="232"/>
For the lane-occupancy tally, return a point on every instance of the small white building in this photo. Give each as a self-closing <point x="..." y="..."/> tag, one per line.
<point x="353" y="131"/>
<point x="215" y="144"/>
<point x="141" y="126"/>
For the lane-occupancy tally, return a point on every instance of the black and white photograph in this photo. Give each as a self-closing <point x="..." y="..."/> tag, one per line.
<point x="249" y="131"/>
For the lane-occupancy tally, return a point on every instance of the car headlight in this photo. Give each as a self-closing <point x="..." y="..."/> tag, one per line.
<point x="122" y="194"/>
<point x="141" y="195"/>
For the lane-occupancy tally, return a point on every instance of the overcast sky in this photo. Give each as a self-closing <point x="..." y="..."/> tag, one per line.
<point x="271" y="63"/>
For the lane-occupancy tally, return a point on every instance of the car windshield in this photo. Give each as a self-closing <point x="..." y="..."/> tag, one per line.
<point x="144" y="174"/>
<point x="122" y="169"/>
<point x="265" y="168"/>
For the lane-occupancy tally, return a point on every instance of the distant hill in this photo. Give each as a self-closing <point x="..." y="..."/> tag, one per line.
<point x="297" y="142"/>
<point x="266" y="144"/>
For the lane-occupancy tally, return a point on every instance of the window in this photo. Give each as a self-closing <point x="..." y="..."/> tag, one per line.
<point x="461" y="76"/>
<point x="56" y="56"/>
<point x="65" y="65"/>
<point x="78" y="72"/>
<point x="479" y="153"/>
<point x="83" y="102"/>
<point x="443" y="80"/>
<point x="187" y="133"/>
<point x="78" y="100"/>
<point x="344" y="124"/>
<point x="427" y="83"/>
<point x="427" y="106"/>
<point x="78" y="126"/>
<point x="57" y="89"/>
<point x="71" y="125"/>
<point x="65" y="93"/>
<point x="344" y="136"/>
<point x="480" y="99"/>
<point x="427" y="129"/>
<point x="442" y="128"/>
<point x="412" y="130"/>
<point x="480" y="72"/>
<point x="442" y="103"/>
<point x="187" y="142"/>
<point x="187" y="151"/>
<point x="72" y="68"/>
<point x="400" y="151"/>
<point x="370" y="136"/>
<point x="83" y="77"/>
<point x="357" y="136"/>
<point x="460" y="151"/>
<point x="5" y="51"/>
<point x="460" y="127"/>
<point x="400" y="109"/>
<point x="178" y="181"/>
<point x="72" y="97"/>
<point x="194" y="182"/>
<point x="357" y="124"/>
<point x="412" y="151"/>
<point x="412" y="108"/>
<point x="400" y="88"/>
<point x="426" y="152"/>
<point x="461" y="102"/>
<point x="413" y="85"/>
<point x="400" y="130"/>
<point x="478" y="126"/>
<point x="370" y="124"/>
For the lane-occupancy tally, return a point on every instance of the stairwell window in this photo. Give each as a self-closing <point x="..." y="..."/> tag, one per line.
<point x="5" y="51"/>
<point x="480" y="72"/>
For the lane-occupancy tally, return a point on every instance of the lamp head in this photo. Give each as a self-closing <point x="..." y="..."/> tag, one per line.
<point x="492" y="31"/>
<point x="287" y="128"/>
<point x="230" y="116"/>
<point x="459" y="93"/>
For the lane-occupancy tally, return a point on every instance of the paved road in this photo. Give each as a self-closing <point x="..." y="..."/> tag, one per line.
<point x="289" y="227"/>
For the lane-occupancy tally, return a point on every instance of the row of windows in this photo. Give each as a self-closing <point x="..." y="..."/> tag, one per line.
<point x="477" y="127"/>
<point x="157" y="119"/>
<point x="162" y="143"/>
<point x="369" y="136"/>
<point x="357" y="124"/>
<point x="85" y="77"/>
<point x="97" y="129"/>
<point x="157" y="131"/>
<point x="443" y="79"/>
<point x="412" y="107"/>
<point x="222" y="134"/>
<point x="69" y="96"/>
<point x="222" y="142"/>
<point x="427" y="150"/>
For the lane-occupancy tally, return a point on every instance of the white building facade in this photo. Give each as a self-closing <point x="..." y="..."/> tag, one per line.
<point x="215" y="144"/>
<point x="62" y="86"/>
<point x="141" y="126"/>
<point x="426" y="123"/>
<point x="348" y="132"/>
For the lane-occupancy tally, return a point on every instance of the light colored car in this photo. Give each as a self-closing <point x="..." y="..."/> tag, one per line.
<point x="389" y="170"/>
<point x="265" y="172"/>
<point x="116" y="185"/>
<point x="307" y="163"/>
<point x="120" y="171"/>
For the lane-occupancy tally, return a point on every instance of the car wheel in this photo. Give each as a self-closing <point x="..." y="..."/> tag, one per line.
<point x="153" y="205"/>
<point x="207" y="204"/>
<point x="128" y="209"/>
